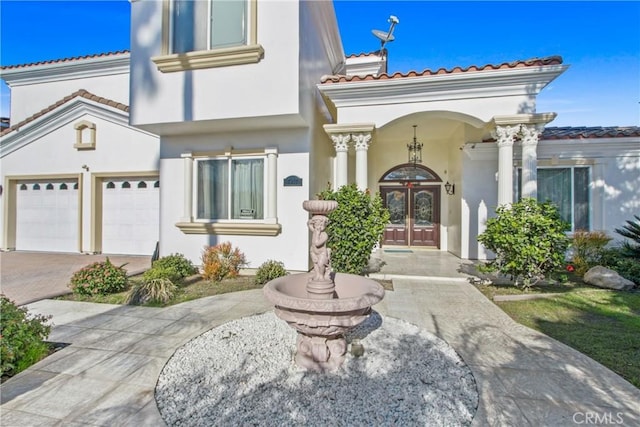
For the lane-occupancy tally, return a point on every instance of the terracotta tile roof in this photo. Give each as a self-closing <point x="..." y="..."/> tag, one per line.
<point x="569" y="132"/>
<point x="362" y="54"/>
<point x="583" y="132"/>
<point x="63" y="60"/>
<point x="550" y="60"/>
<point x="80" y="93"/>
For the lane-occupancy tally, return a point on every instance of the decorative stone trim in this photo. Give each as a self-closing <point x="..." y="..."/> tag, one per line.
<point x="209" y="58"/>
<point x="230" y="228"/>
<point x="85" y="135"/>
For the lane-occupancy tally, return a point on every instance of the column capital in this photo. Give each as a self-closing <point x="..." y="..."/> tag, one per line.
<point x="505" y="135"/>
<point x="530" y="134"/>
<point x="361" y="140"/>
<point x="341" y="141"/>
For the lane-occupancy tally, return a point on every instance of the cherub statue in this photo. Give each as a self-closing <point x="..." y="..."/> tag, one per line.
<point x="320" y="254"/>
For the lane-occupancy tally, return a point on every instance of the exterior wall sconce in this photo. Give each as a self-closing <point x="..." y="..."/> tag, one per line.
<point x="415" y="149"/>
<point x="85" y="167"/>
<point x="450" y="188"/>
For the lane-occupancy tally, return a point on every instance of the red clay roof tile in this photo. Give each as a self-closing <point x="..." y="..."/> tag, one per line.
<point x="63" y="60"/>
<point x="79" y="93"/>
<point x="583" y="132"/>
<point x="551" y="60"/>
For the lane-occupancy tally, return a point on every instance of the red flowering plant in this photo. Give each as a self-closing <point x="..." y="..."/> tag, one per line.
<point x="99" y="278"/>
<point x="570" y="268"/>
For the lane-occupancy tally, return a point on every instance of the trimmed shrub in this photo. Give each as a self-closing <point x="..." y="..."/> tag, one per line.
<point x="182" y="266"/>
<point x="631" y="231"/>
<point x="161" y="272"/>
<point x="588" y="249"/>
<point x="160" y="290"/>
<point x="354" y="227"/>
<point x="99" y="278"/>
<point x="221" y="261"/>
<point x="21" y="337"/>
<point x="270" y="270"/>
<point x="528" y="239"/>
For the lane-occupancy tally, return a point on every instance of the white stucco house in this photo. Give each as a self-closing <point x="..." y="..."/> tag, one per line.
<point x="243" y="124"/>
<point x="76" y="177"/>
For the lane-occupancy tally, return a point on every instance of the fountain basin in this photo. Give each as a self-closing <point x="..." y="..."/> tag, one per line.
<point x="321" y="323"/>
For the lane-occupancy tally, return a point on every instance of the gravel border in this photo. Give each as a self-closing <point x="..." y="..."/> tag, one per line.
<point x="242" y="373"/>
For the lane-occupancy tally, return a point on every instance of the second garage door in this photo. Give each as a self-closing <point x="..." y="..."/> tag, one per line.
<point x="130" y="215"/>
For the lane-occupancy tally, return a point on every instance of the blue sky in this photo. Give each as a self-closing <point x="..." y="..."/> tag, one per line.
<point x="599" y="40"/>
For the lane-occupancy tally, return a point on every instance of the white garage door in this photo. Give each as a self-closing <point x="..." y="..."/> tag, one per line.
<point x="130" y="215"/>
<point x="47" y="216"/>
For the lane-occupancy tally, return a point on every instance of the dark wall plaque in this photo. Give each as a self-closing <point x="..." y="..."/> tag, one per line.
<point x="293" y="181"/>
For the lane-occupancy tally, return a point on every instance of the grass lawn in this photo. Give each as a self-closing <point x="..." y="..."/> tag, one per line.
<point x="189" y="290"/>
<point x="604" y="325"/>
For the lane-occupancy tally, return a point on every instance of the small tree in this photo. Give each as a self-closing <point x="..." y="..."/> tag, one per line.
<point x="528" y="239"/>
<point x="354" y="227"/>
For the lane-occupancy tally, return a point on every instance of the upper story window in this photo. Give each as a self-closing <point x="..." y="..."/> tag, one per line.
<point x="206" y="25"/>
<point x="200" y="34"/>
<point x="568" y="189"/>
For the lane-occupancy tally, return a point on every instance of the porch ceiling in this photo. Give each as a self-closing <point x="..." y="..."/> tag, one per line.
<point x="429" y="128"/>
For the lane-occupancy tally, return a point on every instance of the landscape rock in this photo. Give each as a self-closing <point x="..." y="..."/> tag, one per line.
<point x="603" y="277"/>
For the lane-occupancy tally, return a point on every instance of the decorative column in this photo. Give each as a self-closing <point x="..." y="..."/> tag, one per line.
<point x="341" y="144"/>
<point x="188" y="187"/>
<point x="361" y="141"/>
<point x="271" y="215"/>
<point x="530" y="135"/>
<point x="505" y="136"/>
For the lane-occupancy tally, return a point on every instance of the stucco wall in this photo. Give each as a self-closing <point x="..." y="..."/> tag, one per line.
<point x="119" y="148"/>
<point x="320" y="52"/>
<point x="27" y="100"/>
<point x="615" y="176"/>
<point x="290" y="246"/>
<point x="266" y="88"/>
<point x="479" y="196"/>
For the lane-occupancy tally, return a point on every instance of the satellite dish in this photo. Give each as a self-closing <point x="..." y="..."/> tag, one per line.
<point x="383" y="36"/>
<point x="386" y="36"/>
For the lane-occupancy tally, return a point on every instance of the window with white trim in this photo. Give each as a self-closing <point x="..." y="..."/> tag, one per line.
<point x="568" y="189"/>
<point x="230" y="188"/>
<point x="206" y="25"/>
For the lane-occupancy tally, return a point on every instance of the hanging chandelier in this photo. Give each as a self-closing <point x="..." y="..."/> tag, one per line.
<point x="415" y="149"/>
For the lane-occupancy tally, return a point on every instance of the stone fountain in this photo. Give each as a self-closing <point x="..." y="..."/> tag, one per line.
<point x="322" y="305"/>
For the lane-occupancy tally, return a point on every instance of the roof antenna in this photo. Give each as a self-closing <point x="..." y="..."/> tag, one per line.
<point x="385" y="37"/>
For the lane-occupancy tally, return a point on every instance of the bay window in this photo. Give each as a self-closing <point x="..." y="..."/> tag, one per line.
<point x="568" y="189"/>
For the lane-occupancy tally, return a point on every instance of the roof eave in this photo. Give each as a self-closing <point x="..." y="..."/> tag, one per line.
<point x="501" y="82"/>
<point x="56" y="71"/>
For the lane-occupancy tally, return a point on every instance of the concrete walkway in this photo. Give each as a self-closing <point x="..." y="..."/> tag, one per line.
<point x="106" y="377"/>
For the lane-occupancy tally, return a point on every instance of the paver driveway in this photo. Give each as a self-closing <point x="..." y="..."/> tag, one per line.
<point x="26" y="277"/>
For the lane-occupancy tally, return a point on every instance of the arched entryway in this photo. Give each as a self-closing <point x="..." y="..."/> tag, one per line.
<point x="411" y="193"/>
